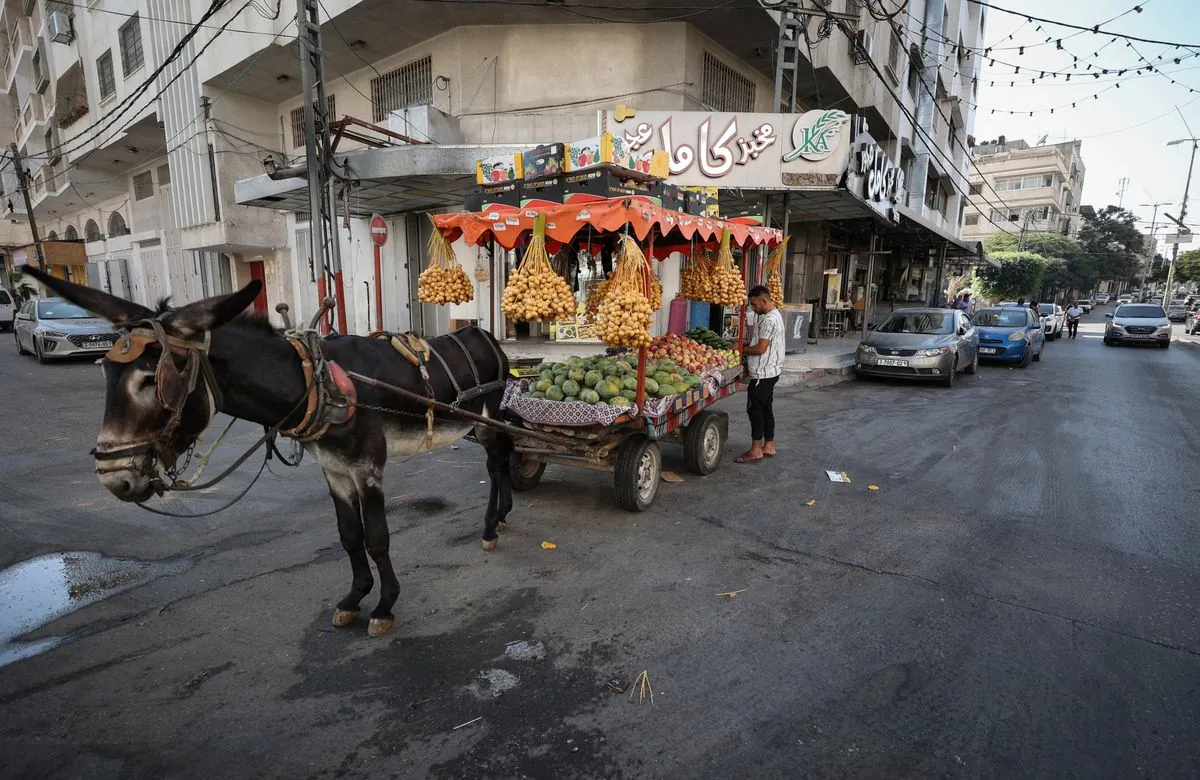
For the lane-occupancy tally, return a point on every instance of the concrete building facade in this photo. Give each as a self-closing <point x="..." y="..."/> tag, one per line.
<point x="156" y="164"/>
<point x="1021" y="188"/>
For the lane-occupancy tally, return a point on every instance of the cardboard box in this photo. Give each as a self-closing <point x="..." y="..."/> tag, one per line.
<point x="701" y="201"/>
<point x="503" y="196"/>
<point x="603" y="184"/>
<point x="669" y="196"/>
<point x="544" y="161"/>
<point x="607" y="149"/>
<point x="497" y="170"/>
<point x="544" y="192"/>
<point x="655" y="163"/>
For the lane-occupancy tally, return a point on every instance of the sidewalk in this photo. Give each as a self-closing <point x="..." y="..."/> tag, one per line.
<point x="830" y="361"/>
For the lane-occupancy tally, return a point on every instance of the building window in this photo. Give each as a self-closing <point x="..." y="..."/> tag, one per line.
<point x="116" y="225"/>
<point x="971" y="219"/>
<point x="408" y="85"/>
<point x="976" y="189"/>
<point x="106" y="76"/>
<point x="52" y="237"/>
<point x="91" y="231"/>
<point x="70" y="234"/>
<point x="1025" y="182"/>
<point x="1040" y="214"/>
<point x="143" y="185"/>
<point x="915" y="66"/>
<point x="164" y="175"/>
<point x="894" y="54"/>
<point x="131" y="45"/>
<point x="724" y="89"/>
<point x="297" y="118"/>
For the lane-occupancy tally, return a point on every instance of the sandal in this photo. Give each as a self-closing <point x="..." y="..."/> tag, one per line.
<point x="746" y="459"/>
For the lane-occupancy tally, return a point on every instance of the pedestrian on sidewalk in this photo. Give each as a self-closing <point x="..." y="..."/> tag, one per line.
<point x="1073" y="314"/>
<point x="764" y="364"/>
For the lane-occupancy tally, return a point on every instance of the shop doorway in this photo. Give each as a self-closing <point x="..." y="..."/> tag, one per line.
<point x="259" y="272"/>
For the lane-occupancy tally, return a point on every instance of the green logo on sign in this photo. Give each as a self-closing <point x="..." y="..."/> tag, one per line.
<point x="815" y="138"/>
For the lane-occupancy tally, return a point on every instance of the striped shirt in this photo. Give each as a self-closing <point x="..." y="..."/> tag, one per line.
<point x="770" y="363"/>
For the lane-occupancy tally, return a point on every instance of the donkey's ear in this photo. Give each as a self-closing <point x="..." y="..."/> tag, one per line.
<point x="212" y="313"/>
<point x="116" y="310"/>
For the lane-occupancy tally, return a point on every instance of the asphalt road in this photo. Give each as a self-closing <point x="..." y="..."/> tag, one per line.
<point x="1020" y="598"/>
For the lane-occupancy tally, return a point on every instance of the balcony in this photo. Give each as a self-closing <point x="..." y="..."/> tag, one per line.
<point x="20" y="45"/>
<point x="32" y="118"/>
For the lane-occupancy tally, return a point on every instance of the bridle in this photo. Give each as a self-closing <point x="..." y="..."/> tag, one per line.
<point x="173" y="388"/>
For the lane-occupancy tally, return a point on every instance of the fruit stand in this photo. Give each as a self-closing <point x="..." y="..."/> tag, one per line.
<point x="609" y="412"/>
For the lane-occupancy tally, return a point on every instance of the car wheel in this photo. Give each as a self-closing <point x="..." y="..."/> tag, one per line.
<point x="37" y="351"/>
<point x="1037" y="357"/>
<point x="974" y="367"/>
<point x="1107" y="341"/>
<point x="1027" y="357"/>
<point x="948" y="380"/>
<point x="20" y="349"/>
<point x="1165" y="344"/>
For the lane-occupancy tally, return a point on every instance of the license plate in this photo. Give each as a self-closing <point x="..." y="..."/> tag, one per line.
<point x="888" y="362"/>
<point x="1141" y="335"/>
<point x="989" y="351"/>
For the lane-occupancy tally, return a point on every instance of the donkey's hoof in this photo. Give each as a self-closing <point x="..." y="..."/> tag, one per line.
<point x="500" y="526"/>
<point x="343" y="617"/>
<point x="379" y="627"/>
<point x="490" y="544"/>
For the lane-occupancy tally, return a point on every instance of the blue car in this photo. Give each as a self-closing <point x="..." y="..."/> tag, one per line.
<point x="1010" y="334"/>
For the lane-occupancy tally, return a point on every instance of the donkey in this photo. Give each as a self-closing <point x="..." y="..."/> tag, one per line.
<point x="212" y="356"/>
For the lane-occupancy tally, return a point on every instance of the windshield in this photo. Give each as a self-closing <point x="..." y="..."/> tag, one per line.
<point x="1046" y="308"/>
<point x="1001" y="318"/>
<point x="926" y="323"/>
<point x="1141" y="312"/>
<point x="62" y="310"/>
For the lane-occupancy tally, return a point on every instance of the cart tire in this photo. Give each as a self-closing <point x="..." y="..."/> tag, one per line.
<point x="637" y="473"/>
<point x="525" y="473"/>
<point x="703" y="444"/>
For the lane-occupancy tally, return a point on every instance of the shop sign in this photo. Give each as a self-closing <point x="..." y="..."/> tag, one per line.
<point x="873" y="175"/>
<point x="749" y="151"/>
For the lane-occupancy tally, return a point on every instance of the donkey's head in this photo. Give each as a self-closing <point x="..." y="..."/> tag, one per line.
<point x="159" y="390"/>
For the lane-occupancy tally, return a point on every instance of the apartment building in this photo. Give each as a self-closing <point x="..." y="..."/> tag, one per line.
<point x="159" y="172"/>
<point x="1020" y="188"/>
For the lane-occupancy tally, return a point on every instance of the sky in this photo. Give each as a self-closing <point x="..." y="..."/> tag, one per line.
<point x="1125" y="130"/>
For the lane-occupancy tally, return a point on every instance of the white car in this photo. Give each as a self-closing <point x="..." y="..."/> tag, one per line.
<point x="1138" y="323"/>
<point x="1124" y="299"/>
<point x="1052" y="320"/>
<point x="1102" y="299"/>
<point x="1087" y="305"/>
<point x="8" y="312"/>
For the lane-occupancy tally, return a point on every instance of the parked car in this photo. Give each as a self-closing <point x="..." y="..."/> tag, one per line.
<point x="1011" y="334"/>
<point x="920" y="344"/>
<point x="7" y="310"/>
<point x="1102" y="299"/>
<point x="1124" y="299"/>
<point x="1178" y="312"/>
<point x="1087" y="305"/>
<point x="1138" y="323"/>
<point x="55" y="328"/>
<point x="1052" y="320"/>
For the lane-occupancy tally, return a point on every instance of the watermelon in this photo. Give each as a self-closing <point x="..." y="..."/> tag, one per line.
<point x="536" y="394"/>
<point x="593" y="378"/>
<point x="570" y="387"/>
<point x="621" y="400"/>
<point x="663" y="378"/>
<point x="651" y="386"/>
<point x="544" y="384"/>
<point x="621" y="367"/>
<point x="559" y="379"/>
<point x="607" y="390"/>
<point x="629" y="383"/>
<point x="576" y="374"/>
<point x="546" y="374"/>
<point x="555" y="393"/>
<point x="589" y="396"/>
<point x="630" y="394"/>
<point x="667" y="365"/>
<point x="574" y="361"/>
<point x="571" y="398"/>
<point x="693" y="381"/>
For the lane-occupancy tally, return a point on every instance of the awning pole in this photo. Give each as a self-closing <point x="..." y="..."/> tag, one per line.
<point x="867" y="287"/>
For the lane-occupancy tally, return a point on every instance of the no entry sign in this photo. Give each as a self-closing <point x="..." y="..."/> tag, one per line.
<point x="379" y="231"/>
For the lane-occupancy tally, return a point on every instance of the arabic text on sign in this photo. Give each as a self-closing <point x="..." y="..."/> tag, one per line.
<point x="884" y="180"/>
<point x="716" y="154"/>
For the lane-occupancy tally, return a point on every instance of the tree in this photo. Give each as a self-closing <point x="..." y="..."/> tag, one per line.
<point x="1019" y="275"/>
<point x="1068" y="266"/>
<point x="1187" y="266"/>
<point x="1112" y="239"/>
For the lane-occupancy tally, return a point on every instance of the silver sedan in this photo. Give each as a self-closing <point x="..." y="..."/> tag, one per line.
<point x="920" y="344"/>
<point x="54" y="328"/>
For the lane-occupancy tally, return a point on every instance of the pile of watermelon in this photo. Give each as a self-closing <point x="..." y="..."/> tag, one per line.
<point x="608" y="379"/>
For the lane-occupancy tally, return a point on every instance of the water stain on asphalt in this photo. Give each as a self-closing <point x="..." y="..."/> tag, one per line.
<point x="38" y="591"/>
<point x="429" y="505"/>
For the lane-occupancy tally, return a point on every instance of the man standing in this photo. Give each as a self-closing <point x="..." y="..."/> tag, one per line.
<point x="764" y="363"/>
<point x="1074" y="312"/>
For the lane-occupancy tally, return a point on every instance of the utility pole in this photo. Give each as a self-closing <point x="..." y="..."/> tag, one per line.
<point x="1182" y="222"/>
<point x="326" y="243"/>
<point x="23" y="181"/>
<point x="1122" y="188"/>
<point x="1150" y="251"/>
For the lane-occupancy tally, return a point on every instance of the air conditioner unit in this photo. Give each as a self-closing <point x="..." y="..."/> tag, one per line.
<point x="58" y="27"/>
<point x="864" y="48"/>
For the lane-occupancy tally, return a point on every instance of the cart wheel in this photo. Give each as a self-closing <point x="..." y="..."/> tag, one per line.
<point x="703" y="443"/>
<point x="637" y="472"/>
<point x="524" y="472"/>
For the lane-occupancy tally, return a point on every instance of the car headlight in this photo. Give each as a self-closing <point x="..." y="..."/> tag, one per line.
<point x="1017" y="335"/>
<point x="1115" y="326"/>
<point x="53" y="334"/>
<point x="936" y="351"/>
<point x="866" y="349"/>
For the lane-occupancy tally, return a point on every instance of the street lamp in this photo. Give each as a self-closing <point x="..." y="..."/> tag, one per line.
<point x="1150" y="251"/>
<point x="1170" y="292"/>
